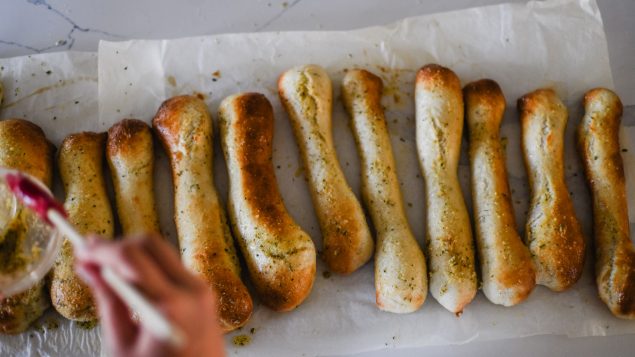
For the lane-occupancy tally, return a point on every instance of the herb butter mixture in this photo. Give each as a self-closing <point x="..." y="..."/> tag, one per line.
<point x="13" y="257"/>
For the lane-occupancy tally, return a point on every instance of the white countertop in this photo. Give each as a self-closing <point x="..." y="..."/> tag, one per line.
<point x="32" y="26"/>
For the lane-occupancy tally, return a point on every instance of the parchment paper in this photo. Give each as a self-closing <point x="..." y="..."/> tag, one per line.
<point x="58" y="92"/>
<point x="523" y="47"/>
<point x="556" y="43"/>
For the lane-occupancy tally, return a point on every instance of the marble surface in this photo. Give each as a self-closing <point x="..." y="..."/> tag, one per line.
<point x="34" y="26"/>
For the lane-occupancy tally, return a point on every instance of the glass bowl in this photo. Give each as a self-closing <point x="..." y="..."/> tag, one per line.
<point x="28" y="246"/>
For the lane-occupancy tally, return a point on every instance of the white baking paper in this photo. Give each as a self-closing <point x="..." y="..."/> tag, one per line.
<point x="554" y="43"/>
<point x="560" y="44"/>
<point x="58" y="92"/>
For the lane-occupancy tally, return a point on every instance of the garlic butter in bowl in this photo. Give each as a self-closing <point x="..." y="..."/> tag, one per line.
<point x="28" y="246"/>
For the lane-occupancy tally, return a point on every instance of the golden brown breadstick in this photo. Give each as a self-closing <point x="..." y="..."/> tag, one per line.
<point x="439" y="126"/>
<point x="280" y="256"/>
<point x="185" y="128"/>
<point x="130" y="155"/>
<point x="23" y="147"/>
<point x="506" y="268"/>
<point x="598" y="139"/>
<point x="553" y="233"/>
<point x="80" y="164"/>
<point x="401" y="281"/>
<point x="306" y="94"/>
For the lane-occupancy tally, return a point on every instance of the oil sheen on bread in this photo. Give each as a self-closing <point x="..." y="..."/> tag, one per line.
<point x="280" y="256"/>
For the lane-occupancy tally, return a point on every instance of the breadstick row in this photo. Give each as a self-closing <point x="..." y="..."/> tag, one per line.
<point x="281" y="257"/>
<point x="506" y="265"/>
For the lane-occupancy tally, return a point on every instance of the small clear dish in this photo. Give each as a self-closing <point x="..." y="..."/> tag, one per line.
<point x="28" y="246"/>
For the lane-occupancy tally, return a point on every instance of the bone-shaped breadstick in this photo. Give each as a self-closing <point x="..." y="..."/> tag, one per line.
<point x="184" y="126"/>
<point x="130" y="155"/>
<point x="553" y="233"/>
<point x="88" y="207"/>
<point x="439" y="126"/>
<point x="280" y="256"/>
<point x="306" y="94"/>
<point x="506" y="268"/>
<point x="401" y="281"/>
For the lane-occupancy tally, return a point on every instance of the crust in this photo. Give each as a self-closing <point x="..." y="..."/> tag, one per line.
<point x="18" y="312"/>
<point x="506" y="267"/>
<point x="539" y="101"/>
<point x="485" y="95"/>
<point x="234" y="302"/>
<point x="184" y="127"/>
<point x="366" y="85"/>
<point x="130" y="155"/>
<point x="24" y="147"/>
<point x="306" y="95"/>
<point x="280" y="256"/>
<point x="80" y="163"/>
<point x="433" y="76"/>
<point x="400" y="269"/>
<point x="598" y="139"/>
<point x="252" y="125"/>
<point x="167" y="122"/>
<point x="553" y="233"/>
<point x="128" y="138"/>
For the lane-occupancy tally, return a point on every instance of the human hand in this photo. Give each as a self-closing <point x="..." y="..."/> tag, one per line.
<point x="154" y="267"/>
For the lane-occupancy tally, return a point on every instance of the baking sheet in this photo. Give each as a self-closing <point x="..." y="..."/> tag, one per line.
<point x="555" y="43"/>
<point x="58" y="92"/>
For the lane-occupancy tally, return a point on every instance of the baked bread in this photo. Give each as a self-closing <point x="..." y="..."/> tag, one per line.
<point x="130" y="155"/>
<point x="507" y="271"/>
<point x="599" y="146"/>
<point x="280" y="256"/>
<point x="81" y="169"/>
